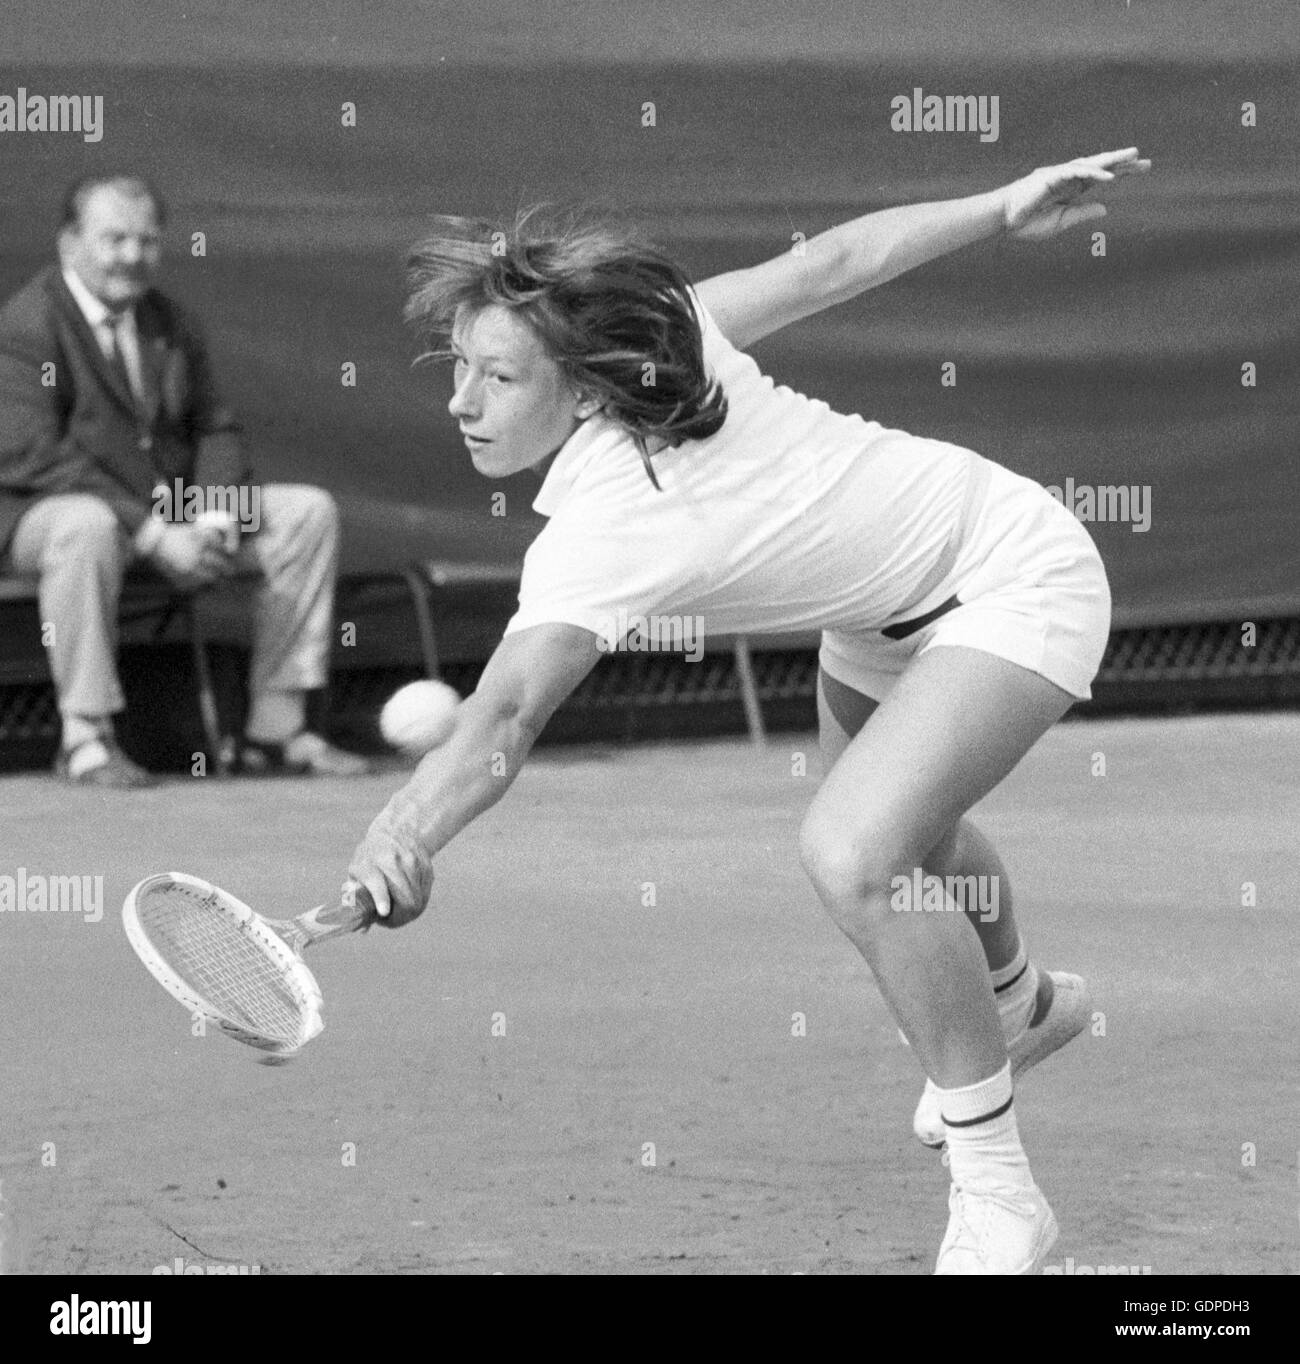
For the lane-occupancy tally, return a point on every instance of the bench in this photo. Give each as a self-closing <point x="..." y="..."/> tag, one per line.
<point x="145" y="595"/>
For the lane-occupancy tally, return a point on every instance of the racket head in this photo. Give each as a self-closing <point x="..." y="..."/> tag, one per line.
<point x="222" y="960"/>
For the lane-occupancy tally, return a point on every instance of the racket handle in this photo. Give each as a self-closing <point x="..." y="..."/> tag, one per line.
<point x="330" y="920"/>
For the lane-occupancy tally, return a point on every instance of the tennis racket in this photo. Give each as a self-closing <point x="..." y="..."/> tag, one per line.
<point x="225" y="961"/>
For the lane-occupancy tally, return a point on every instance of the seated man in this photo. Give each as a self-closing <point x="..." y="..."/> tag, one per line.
<point x="107" y="411"/>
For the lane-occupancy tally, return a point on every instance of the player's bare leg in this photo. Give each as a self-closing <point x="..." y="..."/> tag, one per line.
<point x="954" y="725"/>
<point x="1040" y="1011"/>
<point x="962" y="851"/>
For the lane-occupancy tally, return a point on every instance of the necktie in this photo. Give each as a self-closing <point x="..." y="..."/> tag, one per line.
<point x="116" y="359"/>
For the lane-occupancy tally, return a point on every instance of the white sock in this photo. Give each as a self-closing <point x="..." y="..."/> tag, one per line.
<point x="81" y="729"/>
<point x="979" y="1123"/>
<point x="86" y="757"/>
<point x="276" y="716"/>
<point x="1015" y="987"/>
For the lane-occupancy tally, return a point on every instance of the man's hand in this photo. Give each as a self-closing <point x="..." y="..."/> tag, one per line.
<point x="1046" y="201"/>
<point x="394" y="868"/>
<point x="192" y="555"/>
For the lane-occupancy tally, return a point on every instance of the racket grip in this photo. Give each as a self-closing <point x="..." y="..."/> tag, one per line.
<point x="347" y="916"/>
<point x="362" y="908"/>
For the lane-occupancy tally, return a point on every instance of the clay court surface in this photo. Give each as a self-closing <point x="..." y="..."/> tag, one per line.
<point x="671" y="1024"/>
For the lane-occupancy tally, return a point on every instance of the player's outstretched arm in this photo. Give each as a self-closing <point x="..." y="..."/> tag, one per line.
<point x="858" y="255"/>
<point x="527" y="677"/>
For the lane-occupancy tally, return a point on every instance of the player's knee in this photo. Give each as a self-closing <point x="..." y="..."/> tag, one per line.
<point x="846" y="867"/>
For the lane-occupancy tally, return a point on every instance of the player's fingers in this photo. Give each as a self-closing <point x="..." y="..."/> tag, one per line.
<point x="1082" y="171"/>
<point x="413" y="884"/>
<point x="1127" y="162"/>
<point x="1112" y="158"/>
<point x="377" y="887"/>
<point x="1082" y="213"/>
<point x="408" y="884"/>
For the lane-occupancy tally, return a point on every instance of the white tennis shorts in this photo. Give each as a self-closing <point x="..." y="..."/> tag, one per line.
<point x="1032" y="589"/>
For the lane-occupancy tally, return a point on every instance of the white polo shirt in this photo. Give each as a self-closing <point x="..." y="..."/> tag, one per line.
<point x="792" y="517"/>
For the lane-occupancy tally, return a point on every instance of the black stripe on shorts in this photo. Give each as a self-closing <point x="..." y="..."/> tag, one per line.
<point x="910" y="627"/>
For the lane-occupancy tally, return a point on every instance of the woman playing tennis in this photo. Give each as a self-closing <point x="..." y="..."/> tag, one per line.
<point x="962" y="609"/>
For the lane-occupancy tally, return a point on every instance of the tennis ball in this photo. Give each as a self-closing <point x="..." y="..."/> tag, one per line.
<point x="419" y="717"/>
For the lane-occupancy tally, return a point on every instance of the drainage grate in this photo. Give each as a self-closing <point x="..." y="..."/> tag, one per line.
<point x="1194" y="653"/>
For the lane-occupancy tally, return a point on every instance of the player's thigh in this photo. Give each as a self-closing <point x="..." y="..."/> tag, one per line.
<point x="841" y="712"/>
<point x="956" y="722"/>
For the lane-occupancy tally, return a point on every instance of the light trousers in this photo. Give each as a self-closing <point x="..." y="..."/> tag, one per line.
<point x="79" y="551"/>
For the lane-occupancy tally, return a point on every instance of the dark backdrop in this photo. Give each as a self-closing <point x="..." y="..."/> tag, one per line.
<point x="770" y="120"/>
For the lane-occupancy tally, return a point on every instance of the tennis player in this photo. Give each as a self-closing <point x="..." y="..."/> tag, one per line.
<point x="962" y="609"/>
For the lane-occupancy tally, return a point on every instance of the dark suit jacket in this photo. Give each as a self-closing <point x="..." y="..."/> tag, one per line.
<point x="69" y="424"/>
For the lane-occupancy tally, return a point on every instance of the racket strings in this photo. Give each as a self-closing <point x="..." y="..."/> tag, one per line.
<point x="222" y="963"/>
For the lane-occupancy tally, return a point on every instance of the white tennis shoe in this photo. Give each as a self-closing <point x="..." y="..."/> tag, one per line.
<point x="996" y="1230"/>
<point x="1061" y="1009"/>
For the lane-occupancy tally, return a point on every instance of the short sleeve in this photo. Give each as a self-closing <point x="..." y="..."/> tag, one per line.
<point x="714" y="344"/>
<point x="598" y="577"/>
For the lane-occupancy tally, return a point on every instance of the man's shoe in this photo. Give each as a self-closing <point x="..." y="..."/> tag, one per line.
<point x="305" y="755"/>
<point x="1061" y="1011"/>
<point x="99" y="762"/>
<point x="997" y="1230"/>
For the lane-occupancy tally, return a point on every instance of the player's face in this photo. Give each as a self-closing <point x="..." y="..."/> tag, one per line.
<point x="514" y="404"/>
<point x="116" y="247"/>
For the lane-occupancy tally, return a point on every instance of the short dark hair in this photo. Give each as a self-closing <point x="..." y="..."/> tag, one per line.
<point x="608" y="306"/>
<point x="135" y="186"/>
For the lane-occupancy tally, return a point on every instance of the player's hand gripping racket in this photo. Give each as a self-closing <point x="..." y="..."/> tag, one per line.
<point x="225" y="961"/>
